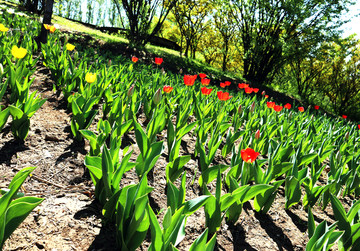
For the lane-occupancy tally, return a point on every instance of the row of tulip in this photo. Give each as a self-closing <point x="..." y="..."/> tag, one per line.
<point x="293" y="147"/>
<point x="17" y="65"/>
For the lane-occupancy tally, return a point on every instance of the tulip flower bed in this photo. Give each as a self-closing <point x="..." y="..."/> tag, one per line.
<point x="130" y="156"/>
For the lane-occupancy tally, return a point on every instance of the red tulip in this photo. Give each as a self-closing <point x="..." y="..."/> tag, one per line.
<point x="223" y="95"/>
<point x="256" y="90"/>
<point x="227" y="83"/>
<point x="167" y="89"/>
<point x="243" y="85"/>
<point x="301" y="109"/>
<point x="248" y="90"/>
<point x="134" y="59"/>
<point x="270" y="104"/>
<point x="249" y="155"/>
<point x="159" y="61"/>
<point x="205" y="90"/>
<point x="344" y="116"/>
<point x="189" y="80"/>
<point x="359" y="127"/>
<point x="222" y="85"/>
<point x="266" y="96"/>
<point x="316" y="107"/>
<point x="287" y="106"/>
<point x="205" y="81"/>
<point x="202" y="75"/>
<point x="278" y="108"/>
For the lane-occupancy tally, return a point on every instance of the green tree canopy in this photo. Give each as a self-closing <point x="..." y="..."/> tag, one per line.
<point x="273" y="31"/>
<point x="140" y="16"/>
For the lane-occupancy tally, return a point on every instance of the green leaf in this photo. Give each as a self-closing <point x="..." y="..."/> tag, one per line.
<point x="193" y="205"/>
<point x="341" y="217"/>
<point x="292" y="191"/>
<point x="306" y="159"/>
<point x="176" y="168"/>
<point x="155" y="230"/>
<point x="17" y="211"/>
<point x="94" y="164"/>
<point x="167" y="219"/>
<point x="311" y="223"/>
<point x="4" y="115"/>
<point x="262" y="203"/>
<point x="107" y="171"/>
<point x="211" y="173"/>
<point x="200" y="242"/>
<point x="141" y="139"/>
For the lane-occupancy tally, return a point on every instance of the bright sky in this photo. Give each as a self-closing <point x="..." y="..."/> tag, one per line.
<point x="354" y="25"/>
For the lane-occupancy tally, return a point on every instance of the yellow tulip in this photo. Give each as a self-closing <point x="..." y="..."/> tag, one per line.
<point x="70" y="47"/>
<point x="18" y="52"/>
<point x="3" y="28"/>
<point x="50" y="28"/>
<point x="90" y="77"/>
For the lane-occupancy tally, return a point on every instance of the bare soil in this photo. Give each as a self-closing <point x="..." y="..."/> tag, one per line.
<point x="70" y="218"/>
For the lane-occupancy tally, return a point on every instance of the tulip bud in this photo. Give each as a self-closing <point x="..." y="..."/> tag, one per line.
<point x="181" y="71"/>
<point x="347" y="135"/>
<point x="239" y="109"/>
<point x="109" y="62"/>
<point x="76" y="55"/>
<point x="263" y="93"/>
<point x="131" y="91"/>
<point x="157" y="97"/>
<point x="338" y="156"/>
<point x="252" y="108"/>
<point x="257" y="134"/>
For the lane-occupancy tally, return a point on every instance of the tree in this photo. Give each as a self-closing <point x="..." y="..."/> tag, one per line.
<point x="33" y="5"/>
<point x="224" y="23"/>
<point x="46" y="20"/>
<point x="270" y="31"/>
<point x="341" y="84"/>
<point x="190" y="17"/>
<point x="140" y="15"/>
<point x="210" y="46"/>
<point x="307" y="71"/>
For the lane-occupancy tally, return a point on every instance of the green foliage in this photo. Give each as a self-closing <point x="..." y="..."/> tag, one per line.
<point x="14" y="208"/>
<point x="272" y="31"/>
<point x="83" y="114"/>
<point x="140" y="15"/>
<point x="347" y="222"/>
<point x="21" y="115"/>
<point x="323" y="236"/>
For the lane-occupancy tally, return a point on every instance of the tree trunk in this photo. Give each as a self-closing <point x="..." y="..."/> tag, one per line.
<point x="224" y="63"/>
<point x="46" y="20"/>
